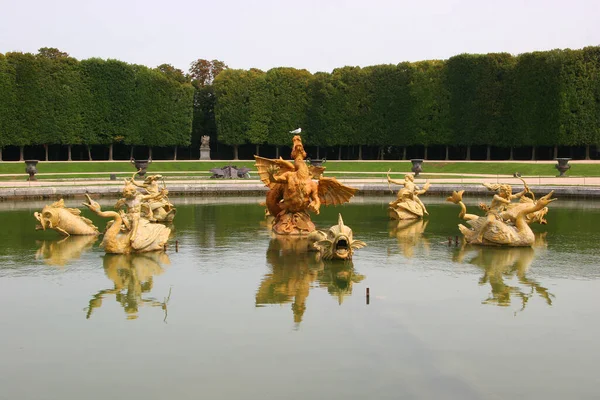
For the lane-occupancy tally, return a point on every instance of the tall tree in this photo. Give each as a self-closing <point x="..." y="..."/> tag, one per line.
<point x="203" y="72"/>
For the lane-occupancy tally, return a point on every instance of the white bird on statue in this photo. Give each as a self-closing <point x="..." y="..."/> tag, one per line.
<point x="296" y="130"/>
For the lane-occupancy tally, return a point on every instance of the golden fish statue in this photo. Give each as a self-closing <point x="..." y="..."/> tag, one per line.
<point x="296" y="189"/>
<point x="64" y="220"/>
<point x="337" y="243"/>
<point x="505" y="223"/>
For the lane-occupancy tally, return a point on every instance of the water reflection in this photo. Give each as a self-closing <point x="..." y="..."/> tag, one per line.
<point x="409" y="234"/>
<point x="500" y="263"/>
<point x="132" y="275"/>
<point x="295" y="271"/>
<point x="61" y="252"/>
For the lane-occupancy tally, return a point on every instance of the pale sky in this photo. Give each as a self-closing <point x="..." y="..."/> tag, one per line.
<point x="318" y="35"/>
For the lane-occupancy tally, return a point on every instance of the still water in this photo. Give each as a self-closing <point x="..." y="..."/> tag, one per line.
<point x="234" y="314"/>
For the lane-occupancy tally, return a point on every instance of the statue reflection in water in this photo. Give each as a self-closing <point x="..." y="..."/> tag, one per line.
<point x="500" y="263"/>
<point x="61" y="252"/>
<point x="295" y="270"/>
<point x="409" y="234"/>
<point x="132" y="275"/>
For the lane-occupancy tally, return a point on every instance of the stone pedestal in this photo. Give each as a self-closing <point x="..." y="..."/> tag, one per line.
<point x="204" y="153"/>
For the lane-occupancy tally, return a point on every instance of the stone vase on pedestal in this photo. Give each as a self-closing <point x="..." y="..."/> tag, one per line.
<point x="31" y="169"/>
<point x="562" y="166"/>
<point x="141" y="166"/>
<point x="416" y="166"/>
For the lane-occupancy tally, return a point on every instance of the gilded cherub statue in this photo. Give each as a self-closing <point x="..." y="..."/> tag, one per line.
<point x="158" y="208"/>
<point x="505" y="223"/>
<point x="407" y="204"/>
<point x="128" y="232"/>
<point x="293" y="192"/>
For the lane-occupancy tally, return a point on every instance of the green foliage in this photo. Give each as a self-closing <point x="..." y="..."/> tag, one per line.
<point x="286" y="102"/>
<point x="476" y="84"/>
<point x="233" y="90"/>
<point x="8" y="102"/>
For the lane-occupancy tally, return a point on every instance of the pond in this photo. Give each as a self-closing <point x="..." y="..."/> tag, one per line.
<point x="230" y="313"/>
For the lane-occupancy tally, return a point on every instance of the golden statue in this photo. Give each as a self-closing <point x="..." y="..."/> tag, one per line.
<point x="157" y="208"/>
<point x="61" y="252"/>
<point x="293" y="192"/>
<point x="407" y="205"/>
<point x="501" y="263"/>
<point x="409" y="234"/>
<point x="505" y="223"/>
<point x="66" y="221"/>
<point x="337" y="243"/>
<point x="132" y="275"/>
<point x="129" y="233"/>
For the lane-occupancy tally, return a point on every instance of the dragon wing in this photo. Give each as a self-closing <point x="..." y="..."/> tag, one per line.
<point x="332" y="192"/>
<point x="316" y="172"/>
<point x="264" y="164"/>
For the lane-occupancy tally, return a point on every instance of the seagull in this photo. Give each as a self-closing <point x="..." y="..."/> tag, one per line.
<point x="296" y="130"/>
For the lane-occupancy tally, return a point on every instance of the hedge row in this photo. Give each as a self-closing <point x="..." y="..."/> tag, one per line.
<point x="549" y="98"/>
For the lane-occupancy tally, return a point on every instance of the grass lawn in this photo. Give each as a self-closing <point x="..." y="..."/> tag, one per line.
<point x="201" y="168"/>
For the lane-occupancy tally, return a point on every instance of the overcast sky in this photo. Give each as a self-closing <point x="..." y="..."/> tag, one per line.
<point x="318" y="35"/>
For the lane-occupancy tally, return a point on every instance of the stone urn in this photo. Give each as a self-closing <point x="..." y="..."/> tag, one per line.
<point x="141" y="166"/>
<point x="31" y="169"/>
<point x="416" y="166"/>
<point x="563" y="165"/>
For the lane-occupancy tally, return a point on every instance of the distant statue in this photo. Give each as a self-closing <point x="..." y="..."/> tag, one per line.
<point x="407" y="204"/>
<point x="293" y="192"/>
<point x="205" y="147"/>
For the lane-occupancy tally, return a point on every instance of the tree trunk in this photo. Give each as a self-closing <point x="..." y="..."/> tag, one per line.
<point x="235" y="152"/>
<point x="511" y="157"/>
<point x="425" y="153"/>
<point x="46" y="151"/>
<point x="175" y="154"/>
<point x="587" y="153"/>
<point x="257" y="150"/>
<point x="276" y="151"/>
<point x="89" y="151"/>
<point x="447" y="153"/>
<point x="318" y="152"/>
<point x="360" y="152"/>
<point x="381" y="151"/>
<point x="21" y="153"/>
<point x="555" y="152"/>
<point x="131" y="153"/>
<point x="340" y="153"/>
<point x="533" y="153"/>
<point x="69" y="158"/>
<point x="468" y="153"/>
<point x="149" y="153"/>
<point x="488" y="153"/>
<point x="404" y="153"/>
<point x="1" y="154"/>
<point x="110" y="152"/>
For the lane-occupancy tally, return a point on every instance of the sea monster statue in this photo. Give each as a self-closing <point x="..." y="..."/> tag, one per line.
<point x="293" y="192"/>
<point x="66" y="221"/>
<point x="505" y="223"/>
<point x="407" y="204"/>
<point x="337" y="243"/>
